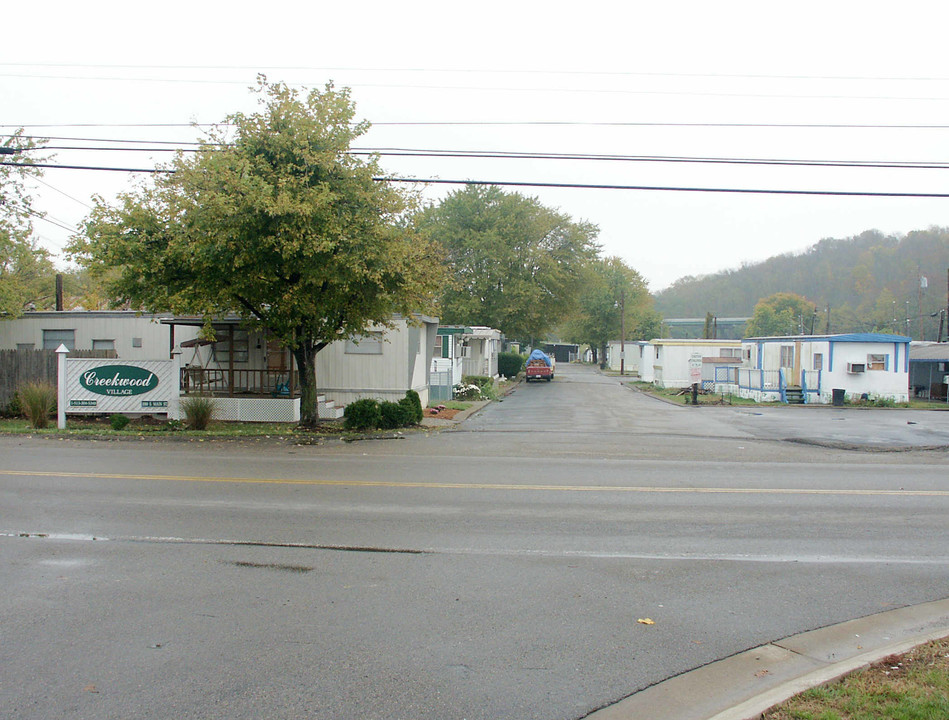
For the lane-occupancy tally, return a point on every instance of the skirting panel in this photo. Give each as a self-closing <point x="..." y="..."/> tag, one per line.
<point x="257" y="409"/>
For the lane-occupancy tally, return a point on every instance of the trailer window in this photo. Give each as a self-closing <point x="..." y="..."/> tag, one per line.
<point x="876" y="362"/>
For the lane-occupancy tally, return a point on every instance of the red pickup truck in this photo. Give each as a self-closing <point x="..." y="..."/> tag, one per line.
<point x="540" y="366"/>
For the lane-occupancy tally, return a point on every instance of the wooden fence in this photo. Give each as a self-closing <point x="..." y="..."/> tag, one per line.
<point x="22" y="366"/>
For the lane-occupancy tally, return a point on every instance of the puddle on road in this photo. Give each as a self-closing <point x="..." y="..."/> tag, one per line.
<point x="272" y="566"/>
<point x="66" y="563"/>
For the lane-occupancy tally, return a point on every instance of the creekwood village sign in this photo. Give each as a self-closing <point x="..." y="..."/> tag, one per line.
<point x="148" y="387"/>
<point x="119" y="380"/>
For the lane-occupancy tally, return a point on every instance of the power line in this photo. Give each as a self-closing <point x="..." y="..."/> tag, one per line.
<point x="526" y="123"/>
<point x="582" y="186"/>
<point x="620" y="123"/>
<point x="102" y="140"/>
<point x="439" y="181"/>
<point x="593" y="157"/>
<point x="41" y="216"/>
<point x="121" y="149"/>
<point x="103" y="125"/>
<point x="507" y="155"/>
<point x="87" y="167"/>
<point x="65" y="194"/>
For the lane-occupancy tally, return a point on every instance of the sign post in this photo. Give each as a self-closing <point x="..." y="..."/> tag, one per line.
<point x="695" y="375"/>
<point x="61" y="352"/>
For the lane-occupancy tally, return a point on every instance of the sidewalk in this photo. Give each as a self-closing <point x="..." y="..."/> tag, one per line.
<point x="743" y="686"/>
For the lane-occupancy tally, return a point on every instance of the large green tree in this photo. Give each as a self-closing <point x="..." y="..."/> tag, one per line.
<point x="275" y="220"/>
<point x="782" y="314"/>
<point x="614" y="299"/>
<point x="26" y="271"/>
<point x="515" y="264"/>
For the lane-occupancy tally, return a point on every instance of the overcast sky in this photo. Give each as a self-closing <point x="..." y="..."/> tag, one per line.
<point x="675" y="80"/>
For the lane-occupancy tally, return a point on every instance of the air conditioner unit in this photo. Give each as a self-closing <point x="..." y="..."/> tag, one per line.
<point x="856" y="367"/>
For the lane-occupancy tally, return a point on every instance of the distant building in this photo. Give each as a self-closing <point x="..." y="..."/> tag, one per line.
<point x="731" y="328"/>
<point x="562" y="352"/>
<point x="928" y="369"/>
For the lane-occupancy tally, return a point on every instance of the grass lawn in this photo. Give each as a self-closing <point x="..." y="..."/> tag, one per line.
<point x="675" y="395"/>
<point x="452" y="405"/>
<point x="914" y="686"/>
<point x="155" y="428"/>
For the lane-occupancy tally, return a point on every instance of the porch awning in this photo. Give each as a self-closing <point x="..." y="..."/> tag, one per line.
<point x="196" y="342"/>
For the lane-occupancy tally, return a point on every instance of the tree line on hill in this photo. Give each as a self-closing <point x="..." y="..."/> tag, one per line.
<point x="868" y="283"/>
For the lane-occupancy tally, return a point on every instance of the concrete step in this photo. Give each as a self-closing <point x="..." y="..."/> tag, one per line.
<point x="327" y="409"/>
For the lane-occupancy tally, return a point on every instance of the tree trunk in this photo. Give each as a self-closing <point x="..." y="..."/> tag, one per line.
<point x="305" y="356"/>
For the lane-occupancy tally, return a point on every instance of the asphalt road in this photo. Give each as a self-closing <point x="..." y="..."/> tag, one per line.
<point x="495" y="570"/>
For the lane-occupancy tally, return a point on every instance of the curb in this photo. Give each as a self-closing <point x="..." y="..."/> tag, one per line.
<point x="437" y="422"/>
<point x="743" y="686"/>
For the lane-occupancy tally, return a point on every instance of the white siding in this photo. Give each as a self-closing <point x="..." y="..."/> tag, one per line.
<point x="671" y="364"/>
<point x="126" y="329"/>
<point x="345" y="377"/>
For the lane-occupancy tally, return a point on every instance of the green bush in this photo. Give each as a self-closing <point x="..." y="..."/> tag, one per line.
<point x="37" y="402"/>
<point x="118" y="422"/>
<point x="482" y="381"/>
<point x="510" y="364"/>
<point x="13" y="408"/>
<point x="198" y="412"/>
<point x="362" y="415"/>
<point x="486" y="387"/>
<point x="466" y="392"/>
<point x="394" y="415"/>
<point x="412" y="399"/>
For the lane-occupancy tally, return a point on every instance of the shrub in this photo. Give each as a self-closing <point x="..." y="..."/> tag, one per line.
<point x="118" y="422"/>
<point x="412" y="399"/>
<point x="482" y="381"/>
<point x="510" y="364"/>
<point x="466" y="392"/>
<point x="37" y="402"/>
<point x="362" y="415"/>
<point x="198" y="412"/>
<point x="13" y="408"/>
<point x="485" y="385"/>
<point x="395" y="415"/>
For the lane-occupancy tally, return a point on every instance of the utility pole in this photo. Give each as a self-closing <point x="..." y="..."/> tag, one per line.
<point x="622" y="337"/>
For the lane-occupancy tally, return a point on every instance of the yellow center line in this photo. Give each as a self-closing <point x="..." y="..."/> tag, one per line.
<point x="482" y="486"/>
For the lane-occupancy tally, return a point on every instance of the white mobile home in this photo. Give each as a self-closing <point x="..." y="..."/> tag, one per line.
<point x="825" y="368"/>
<point x="133" y="336"/>
<point x="382" y="363"/>
<point x="252" y="377"/>
<point x="630" y="356"/>
<point x="673" y="357"/>
<point x="481" y="347"/>
<point x="448" y="355"/>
